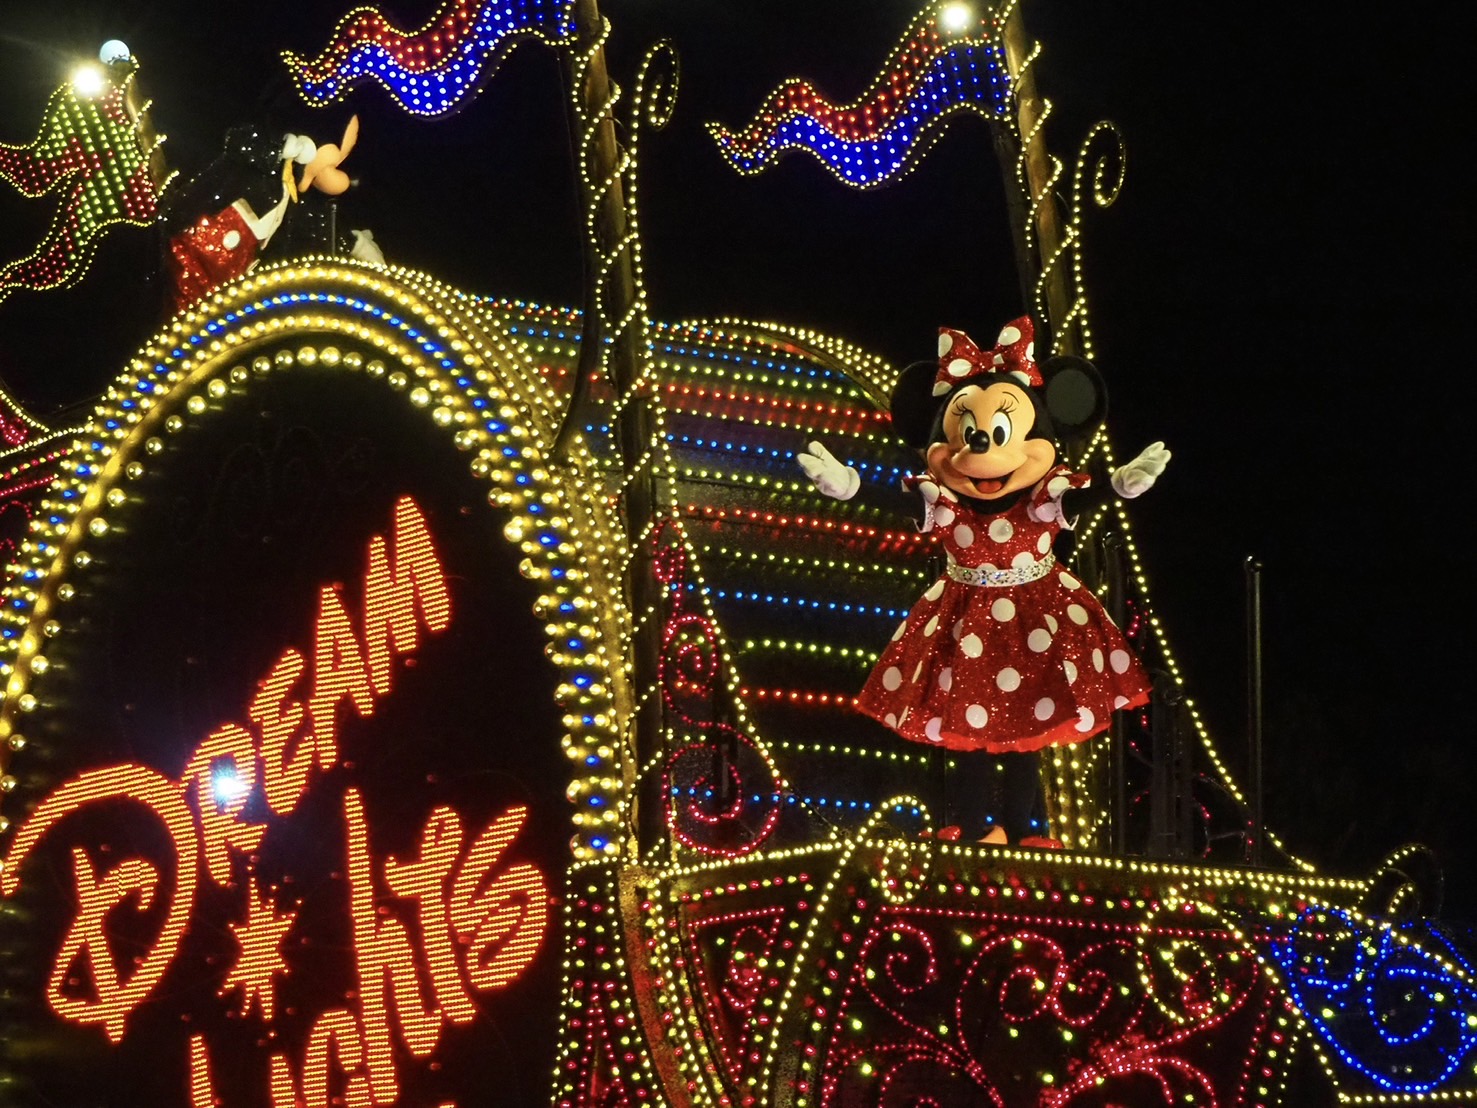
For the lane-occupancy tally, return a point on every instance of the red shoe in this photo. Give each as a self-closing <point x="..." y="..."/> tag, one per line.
<point x="948" y="834"/>
<point x="1038" y="842"/>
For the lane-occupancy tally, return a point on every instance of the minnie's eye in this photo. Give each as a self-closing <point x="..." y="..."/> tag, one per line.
<point x="966" y="424"/>
<point x="1000" y="429"/>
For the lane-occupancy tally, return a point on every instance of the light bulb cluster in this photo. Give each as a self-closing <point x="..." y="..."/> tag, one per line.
<point x="941" y="68"/>
<point x="17" y="427"/>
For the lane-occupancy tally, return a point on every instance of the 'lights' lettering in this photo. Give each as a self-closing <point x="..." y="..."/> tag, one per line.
<point x="480" y="923"/>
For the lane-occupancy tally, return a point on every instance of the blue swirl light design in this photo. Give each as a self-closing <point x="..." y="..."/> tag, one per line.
<point x="1395" y="1004"/>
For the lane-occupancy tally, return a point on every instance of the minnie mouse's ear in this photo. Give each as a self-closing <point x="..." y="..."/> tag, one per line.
<point x="913" y="405"/>
<point x="1076" y="398"/>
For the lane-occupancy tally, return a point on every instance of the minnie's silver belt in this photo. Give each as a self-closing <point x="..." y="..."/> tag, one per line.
<point x="995" y="578"/>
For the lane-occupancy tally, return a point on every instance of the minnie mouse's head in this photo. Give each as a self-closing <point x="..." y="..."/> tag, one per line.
<point x="987" y="421"/>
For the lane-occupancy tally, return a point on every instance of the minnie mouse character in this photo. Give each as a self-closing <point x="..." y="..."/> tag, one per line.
<point x="1007" y="652"/>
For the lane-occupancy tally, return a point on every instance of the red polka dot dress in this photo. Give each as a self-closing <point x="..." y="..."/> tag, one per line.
<point x="1007" y="651"/>
<point x="211" y="251"/>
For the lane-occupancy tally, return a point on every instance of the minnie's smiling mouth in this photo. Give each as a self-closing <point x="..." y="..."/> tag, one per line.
<point x="989" y="486"/>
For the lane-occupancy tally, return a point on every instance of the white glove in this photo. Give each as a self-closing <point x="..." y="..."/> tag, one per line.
<point x="299" y="148"/>
<point x="1139" y="475"/>
<point x="827" y="474"/>
<point x="366" y="249"/>
<point x="929" y="490"/>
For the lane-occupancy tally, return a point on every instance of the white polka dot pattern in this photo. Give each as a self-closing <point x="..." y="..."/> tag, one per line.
<point x="1022" y="666"/>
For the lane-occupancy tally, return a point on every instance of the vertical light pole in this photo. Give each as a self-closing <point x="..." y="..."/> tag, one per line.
<point x="614" y="342"/>
<point x="1044" y="226"/>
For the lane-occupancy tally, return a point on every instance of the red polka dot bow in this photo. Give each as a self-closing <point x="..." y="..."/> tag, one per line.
<point x="960" y="359"/>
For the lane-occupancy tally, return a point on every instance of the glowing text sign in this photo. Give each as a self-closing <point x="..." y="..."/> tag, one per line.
<point x="481" y="921"/>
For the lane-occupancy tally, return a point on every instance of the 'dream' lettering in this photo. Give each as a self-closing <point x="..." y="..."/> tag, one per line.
<point x="294" y="713"/>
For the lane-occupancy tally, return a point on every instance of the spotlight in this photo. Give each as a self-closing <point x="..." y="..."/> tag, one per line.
<point x="88" y="81"/>
<point x="227" y="785"/>
<point x="954" y="18"/>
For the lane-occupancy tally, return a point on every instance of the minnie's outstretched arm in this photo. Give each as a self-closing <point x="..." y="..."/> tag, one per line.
<point x="836" y="480"/>
<point x="1128" y="481"/>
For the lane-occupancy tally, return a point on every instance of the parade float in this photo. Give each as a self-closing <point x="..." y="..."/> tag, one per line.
<point x="420" y="696"/>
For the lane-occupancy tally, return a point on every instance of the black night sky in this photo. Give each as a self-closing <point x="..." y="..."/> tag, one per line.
<point x="1281" y="294"/>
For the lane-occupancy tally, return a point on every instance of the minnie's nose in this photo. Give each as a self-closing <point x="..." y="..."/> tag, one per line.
<point x="978" y="441"/>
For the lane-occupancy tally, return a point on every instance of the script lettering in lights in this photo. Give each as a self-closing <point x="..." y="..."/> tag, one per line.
<point x="471" y="916"/>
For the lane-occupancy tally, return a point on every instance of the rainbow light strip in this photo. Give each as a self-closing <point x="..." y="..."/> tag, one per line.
<point x="430" y="71"/>
<point x="90" y="149"/>
<point x="934" y="74"/>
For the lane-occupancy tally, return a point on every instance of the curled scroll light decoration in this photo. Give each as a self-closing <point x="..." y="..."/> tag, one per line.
<point x="1407" y="886"/>
<point x="1097" y="179"/>
<point x="1191" y="974"/>
<point x="657" y="84"/>
<point x="720" y="794"/>
<point x="938" y="1036"/>
<point x="618" y="317"/>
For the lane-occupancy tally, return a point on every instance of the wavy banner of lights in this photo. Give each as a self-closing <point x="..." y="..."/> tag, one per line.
<point x="96" y="150"/>
<point x="431" y="71"/>
<point x="948" y="62"/>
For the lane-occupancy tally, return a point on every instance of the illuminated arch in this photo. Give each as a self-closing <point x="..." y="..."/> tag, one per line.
<point x="430" y="344"/>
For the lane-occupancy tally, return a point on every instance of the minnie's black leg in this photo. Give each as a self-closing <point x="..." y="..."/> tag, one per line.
<point x="1022" y="806"/>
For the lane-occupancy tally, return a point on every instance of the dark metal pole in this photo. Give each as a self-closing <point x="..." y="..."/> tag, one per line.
<point x="1117" y="594"/>
<point x="1161" y="777"/>
<point x="1254" y="699"/>
<point x="1184" y="792"/>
